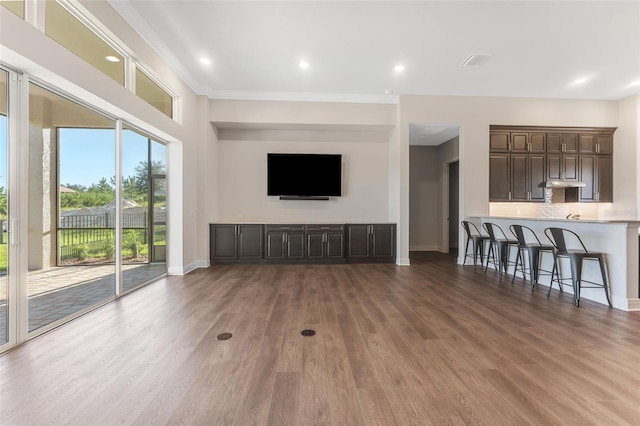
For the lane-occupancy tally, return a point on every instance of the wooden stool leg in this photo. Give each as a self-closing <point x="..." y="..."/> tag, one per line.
<point x="604" y="280"/>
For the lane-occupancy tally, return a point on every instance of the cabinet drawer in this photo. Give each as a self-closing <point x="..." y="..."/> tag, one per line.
<point x="325" y="228"/>
<point x="284" y="228"/>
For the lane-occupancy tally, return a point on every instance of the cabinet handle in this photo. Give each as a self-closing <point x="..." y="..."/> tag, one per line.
<point x="563" y="147"/>
<point x="508" y="146"/>
<point x="509" y="195"/>
<point x="529" y="146"/>
<point x="597" y="148"/>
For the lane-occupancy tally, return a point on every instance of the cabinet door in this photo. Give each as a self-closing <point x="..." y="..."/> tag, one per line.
<point x="570" y="143"/>
<point x="554" y="166"/>
<point x="499" y="141"/>
<point x="222" y="242"/>
<point x="335" y="245"/>
<point x="250" y="241"/>
<point x="295" y="245"/>
<point x="276" y="245"/>
<point x="588" y="176"/>
<point x="554" y="142"/>
<point x="383" y="242"/>
<point x="604" y="144"/>
<point x="519" y="142"/>
<point x="499" y="177"/>
<point x="537" y="173"/>
<point x="357" y="240"/>
<point x="538" y="143"/>
<point x="570" y="167"/>
<point x="519" y="177"/>
<point x="604" y="178"/>
<point x="315" y="245"/>
<point x="587" y="144"/>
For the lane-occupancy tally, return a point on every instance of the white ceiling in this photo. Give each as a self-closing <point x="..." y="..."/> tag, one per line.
<point x="537" y="48"/>
<point x="431" y="134"/>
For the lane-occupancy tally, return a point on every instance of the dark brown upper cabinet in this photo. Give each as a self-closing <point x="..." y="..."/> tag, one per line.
<point x="522" y="158"/>
<point x="596" y="144"/>
<point x="562" y="143"/>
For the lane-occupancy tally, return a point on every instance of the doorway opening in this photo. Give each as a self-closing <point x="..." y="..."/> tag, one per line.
<point x="433" y="148"/>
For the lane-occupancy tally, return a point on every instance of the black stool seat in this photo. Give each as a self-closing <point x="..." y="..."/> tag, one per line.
<point x="498" y="240"/>
<point x="557" y="236"/>
<point x="477" y="240"/>
<point x="528" y="241"/>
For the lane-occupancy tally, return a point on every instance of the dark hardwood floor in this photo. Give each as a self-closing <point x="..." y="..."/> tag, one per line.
<point x="433" y="343"/>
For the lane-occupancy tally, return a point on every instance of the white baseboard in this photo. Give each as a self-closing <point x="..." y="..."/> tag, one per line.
<point x="403" y="261"/>
<point x="633" y="305"/>
<point x="190" y="267"/>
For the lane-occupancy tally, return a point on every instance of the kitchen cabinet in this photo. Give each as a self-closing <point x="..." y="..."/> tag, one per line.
<point x="527" y="177"/>
<point x="522" y="158"/>
<point x="517" y="177"/>
<point x="371" y="242"/>
<point x="596" y="144"/>
<point x="562" y="167"/>
<point x="284" y="242"/>
<point x="235" y="242"/>
<point x="325" y="242"/>
<point x="596" y="173"/>
<point x="534" y="142"/>
<point x="499" y="177"/>
<point x="562" y="143"/>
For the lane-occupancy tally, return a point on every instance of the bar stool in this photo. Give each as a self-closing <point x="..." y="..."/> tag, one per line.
<point x="529" y="241"/>
<point x="503" y="246"/>
<point x="557" y="236"/>
<point x="477" y="239"/>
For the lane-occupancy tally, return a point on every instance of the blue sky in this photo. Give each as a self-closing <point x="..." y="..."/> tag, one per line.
<point x="88" y="155"/>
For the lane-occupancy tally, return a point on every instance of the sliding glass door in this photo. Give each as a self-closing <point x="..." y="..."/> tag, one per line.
<point x="143" y="209"/>
<point x="92" y="195"/>
<point x="4" y="208"/>
<point x="72" y="226"/>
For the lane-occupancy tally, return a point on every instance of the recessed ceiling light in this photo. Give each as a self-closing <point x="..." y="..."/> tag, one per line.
<point x="111" y="58"/>
<point x="205" y="61"/>
<point x="304" y="64"/>
<point x="399" y="68"/>
<point x="389" y="92"/>
<point x="634" y="83"/>
<point x="581" y="80"/>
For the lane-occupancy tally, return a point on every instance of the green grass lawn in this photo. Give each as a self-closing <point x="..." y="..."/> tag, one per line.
<point x="3" y="257"/>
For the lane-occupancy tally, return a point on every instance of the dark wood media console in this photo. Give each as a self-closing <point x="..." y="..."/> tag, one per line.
<point x="302" y="243"/>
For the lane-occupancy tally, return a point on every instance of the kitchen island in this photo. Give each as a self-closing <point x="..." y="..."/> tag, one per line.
<point x="618" y="239"/>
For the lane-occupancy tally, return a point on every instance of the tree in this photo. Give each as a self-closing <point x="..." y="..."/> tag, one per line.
<point x="141" y="173"/>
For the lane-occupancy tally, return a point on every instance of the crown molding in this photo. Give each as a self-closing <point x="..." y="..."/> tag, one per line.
<point x="302" y="97"/>
<point x="140" y="26"/>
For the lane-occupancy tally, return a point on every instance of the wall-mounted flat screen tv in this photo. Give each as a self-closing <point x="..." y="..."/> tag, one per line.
<point x="304" y="175"/>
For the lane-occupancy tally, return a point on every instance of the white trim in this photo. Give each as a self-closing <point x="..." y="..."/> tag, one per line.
<point x="301" y="97"/>
<point x="403" y="261"/>
<point x="179" y="270"/>
<point x="131" y="15"/>
<point x="633" y="305"/>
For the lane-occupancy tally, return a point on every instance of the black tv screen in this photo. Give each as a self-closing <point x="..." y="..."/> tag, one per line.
<point x="304" y="175"/>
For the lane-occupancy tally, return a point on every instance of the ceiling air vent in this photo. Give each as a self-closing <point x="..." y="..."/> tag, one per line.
<point x="475" y="60"/>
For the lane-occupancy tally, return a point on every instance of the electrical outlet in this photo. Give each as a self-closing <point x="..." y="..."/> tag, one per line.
<point x="326" y="216"/>
<point x="367" y="216"/>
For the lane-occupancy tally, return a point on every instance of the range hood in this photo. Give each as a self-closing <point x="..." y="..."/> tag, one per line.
<point x="564" y="184"/>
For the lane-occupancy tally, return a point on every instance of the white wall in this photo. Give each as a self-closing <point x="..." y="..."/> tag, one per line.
<point x="425" y="198"/>
<point x="242" y="190"/>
